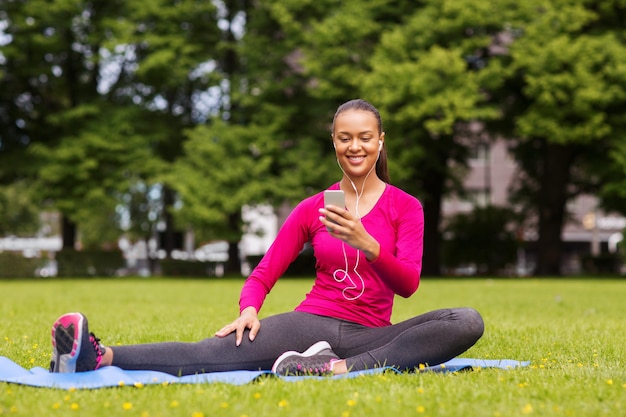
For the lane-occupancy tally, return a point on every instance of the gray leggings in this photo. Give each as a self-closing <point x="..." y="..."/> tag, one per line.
<point x="431" y="338"/>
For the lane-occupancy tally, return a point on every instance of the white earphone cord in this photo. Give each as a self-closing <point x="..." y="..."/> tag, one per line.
<point x="345" y="272"/>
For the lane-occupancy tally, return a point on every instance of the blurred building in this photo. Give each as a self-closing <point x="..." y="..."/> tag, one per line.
<point x="589" y="230"/>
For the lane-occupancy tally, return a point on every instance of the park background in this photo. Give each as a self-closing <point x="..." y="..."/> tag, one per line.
<point x="160" y="122"/>
<point x="176" y="126"/>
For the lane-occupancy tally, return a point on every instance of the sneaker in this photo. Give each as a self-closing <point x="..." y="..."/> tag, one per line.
<point x="75" y="349"/>
<point x="316" y="360"/>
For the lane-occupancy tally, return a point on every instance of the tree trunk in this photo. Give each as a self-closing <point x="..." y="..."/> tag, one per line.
<point x="68" y="230"/>
<point x="169" y="238"/>
<point x="553" y="198"/>
<point x="431" y="261"/>
<point x="233" y="265"/>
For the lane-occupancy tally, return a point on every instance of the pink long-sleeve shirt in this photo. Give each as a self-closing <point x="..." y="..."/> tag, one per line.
<point x="365" y="294"/>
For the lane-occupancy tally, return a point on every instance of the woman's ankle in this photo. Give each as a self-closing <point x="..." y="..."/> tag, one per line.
<point x="339" y="367"/>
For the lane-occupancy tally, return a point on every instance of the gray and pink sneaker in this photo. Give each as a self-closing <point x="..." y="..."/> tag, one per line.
<point x="316" y="360"/>
<point x="75" y="349"/>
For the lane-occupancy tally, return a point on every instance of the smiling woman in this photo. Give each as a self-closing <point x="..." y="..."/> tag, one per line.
<point x="372" y="253"/>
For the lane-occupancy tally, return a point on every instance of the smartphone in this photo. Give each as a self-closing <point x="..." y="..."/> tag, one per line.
<point x="334" y="197"/>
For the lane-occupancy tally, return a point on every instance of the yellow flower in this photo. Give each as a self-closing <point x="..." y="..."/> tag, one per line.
<point x="351" y="403"/>
<point x="609" y="381"/>
<point x="74" y="406"/>
<point x="257" y="395"/>
<point x="420" y="390"/>
<point x="527" y="409"/>
<point x="224" y="405"/>
<point x="197" y="414"/>
<point x="283" y="403"/>
<point x="420" y="409"/>
<point x="345" y="414"/>
<point x="127" y="406"/>
<point x="56" y="406"/>
<point x="138" y="385"/>
<point x="174" y="404"/>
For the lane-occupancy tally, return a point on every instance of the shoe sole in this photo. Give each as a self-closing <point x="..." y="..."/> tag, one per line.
<point x="66" y="341"/>
<point x="313" y="350"/>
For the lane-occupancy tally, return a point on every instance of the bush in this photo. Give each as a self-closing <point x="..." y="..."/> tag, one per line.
<point x="608" y="263"/>
<point x="13" y="265"/>
<point x="483" y="238"/>
<point x="89" y="263"/>
<point x="179" y="268"/>
<point x="302" y="266"/>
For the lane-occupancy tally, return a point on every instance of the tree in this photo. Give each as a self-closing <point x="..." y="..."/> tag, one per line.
<point x="564" y="96"/>
<point x="175" y="56"/>
<point x="51" y="66"/>
<point x="85" y="174"/>
<point x="224" y="168"/>
<point x="430" y="86"/>
<point x="20" y="216"/>
<point x="484" y="237"/>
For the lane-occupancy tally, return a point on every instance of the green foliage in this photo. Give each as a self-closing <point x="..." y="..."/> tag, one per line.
<point x="180" y="268"/>
<point x="20" y="214"/>
<point x="15" y="265"/>
<point x="224" y="167"/>
<point x="89" y="263"/>
<point x="98" y="100"/>
<point x="485" y="237"/>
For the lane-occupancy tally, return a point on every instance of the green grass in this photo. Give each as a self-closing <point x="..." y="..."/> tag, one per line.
<point x="572" y="331"/>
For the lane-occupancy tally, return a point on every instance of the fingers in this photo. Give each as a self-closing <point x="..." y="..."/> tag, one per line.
<point x="254" y="329"/>
<point x="334" y="214"/>
<point x="225" y="331"/>
<point x="239" y="327"/>
<point x="239" y="334"/>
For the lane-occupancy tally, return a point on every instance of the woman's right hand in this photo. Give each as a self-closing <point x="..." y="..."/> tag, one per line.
<point x="248" y="319"/>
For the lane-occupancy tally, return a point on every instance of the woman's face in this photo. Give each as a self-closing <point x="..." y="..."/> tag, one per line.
<point x="357" y="142"/>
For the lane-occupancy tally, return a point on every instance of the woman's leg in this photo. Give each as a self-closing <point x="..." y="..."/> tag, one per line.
<point x="280" y="333"/>
<point x="429" y="339"/>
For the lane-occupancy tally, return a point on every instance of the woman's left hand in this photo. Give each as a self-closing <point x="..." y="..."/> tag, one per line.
<point x="344" y="226"/>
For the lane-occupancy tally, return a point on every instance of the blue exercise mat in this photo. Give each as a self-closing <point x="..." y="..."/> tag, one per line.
<point x="112" y="376"/>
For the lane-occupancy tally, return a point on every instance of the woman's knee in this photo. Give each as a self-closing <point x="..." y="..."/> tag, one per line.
<point x="472" y="322"/>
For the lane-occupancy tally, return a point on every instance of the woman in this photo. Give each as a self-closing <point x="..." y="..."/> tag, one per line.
<point x="366" y="253"/>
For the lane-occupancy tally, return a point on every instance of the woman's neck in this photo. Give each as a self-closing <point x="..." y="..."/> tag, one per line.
<point x="360" y="186"/>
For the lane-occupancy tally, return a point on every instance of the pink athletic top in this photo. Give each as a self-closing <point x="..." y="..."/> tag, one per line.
<point x="365" y="294"/>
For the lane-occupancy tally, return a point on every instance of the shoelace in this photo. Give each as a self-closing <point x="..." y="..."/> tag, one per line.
<point x="98" y="347"/>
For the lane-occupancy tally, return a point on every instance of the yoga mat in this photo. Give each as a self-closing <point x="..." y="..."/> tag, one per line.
<point x="111" y="376"/>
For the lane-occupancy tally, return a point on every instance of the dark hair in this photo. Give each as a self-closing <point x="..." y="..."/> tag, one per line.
<point x="382" y="169"/>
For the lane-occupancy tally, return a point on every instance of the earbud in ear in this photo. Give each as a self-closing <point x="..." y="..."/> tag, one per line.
<point x="380" y="145"/>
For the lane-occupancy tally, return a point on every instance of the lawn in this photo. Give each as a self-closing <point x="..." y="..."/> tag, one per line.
<point x="572" y="331"/>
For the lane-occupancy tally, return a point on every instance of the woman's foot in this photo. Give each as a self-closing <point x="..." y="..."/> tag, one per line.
<point x="75" y="349"/>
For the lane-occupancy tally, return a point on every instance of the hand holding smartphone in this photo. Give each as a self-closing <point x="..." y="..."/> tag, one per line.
<point x="335" y="198"/>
